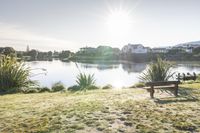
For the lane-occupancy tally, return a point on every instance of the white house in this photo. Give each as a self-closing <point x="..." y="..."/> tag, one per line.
<point x="159" y="50"/>
<point x="188" y="47"/>
<point x="188" y="50"/>
<point x="87" y="50"/>
<point x="134" y="49"/>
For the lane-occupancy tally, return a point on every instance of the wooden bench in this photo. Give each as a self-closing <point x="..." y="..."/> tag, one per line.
<point x="150" y="86"/>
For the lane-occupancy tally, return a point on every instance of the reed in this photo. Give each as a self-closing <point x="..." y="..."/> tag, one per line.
<point x="157" y="71"/>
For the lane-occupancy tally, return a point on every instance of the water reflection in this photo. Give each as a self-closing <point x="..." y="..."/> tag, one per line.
<point x="99" y="66"/>
<point x="134" y="67"/>
<point x="116" y="74"/>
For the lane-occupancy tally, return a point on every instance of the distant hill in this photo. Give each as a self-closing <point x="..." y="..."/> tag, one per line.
<point x="189" y="44"/>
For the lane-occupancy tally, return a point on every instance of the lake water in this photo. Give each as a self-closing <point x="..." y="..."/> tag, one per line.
<point x="116" y="74"/>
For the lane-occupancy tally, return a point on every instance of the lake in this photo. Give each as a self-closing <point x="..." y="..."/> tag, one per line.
<point x="116" y="74"/>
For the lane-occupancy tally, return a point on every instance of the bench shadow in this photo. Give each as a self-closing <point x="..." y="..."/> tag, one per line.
<point x="184" y="95"/>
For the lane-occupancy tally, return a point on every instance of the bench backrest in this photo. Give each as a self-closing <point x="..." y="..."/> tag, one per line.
<point x="160" y="83"/>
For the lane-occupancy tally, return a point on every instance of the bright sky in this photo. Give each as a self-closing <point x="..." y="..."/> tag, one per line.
<point x="71" y="24"/>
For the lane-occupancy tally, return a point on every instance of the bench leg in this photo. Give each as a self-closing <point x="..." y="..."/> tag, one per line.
<point x="151" y="92"/>
<point x="176" y="90"/>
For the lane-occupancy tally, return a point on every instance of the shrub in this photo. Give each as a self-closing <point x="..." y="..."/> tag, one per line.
<point x="92" y="87"/>
<point x="198" y="77"/>
<point x="44" y="89"/>
<point x="13" y="74"/>
<point x="77" y="88"/>
<point x="84" y="81"/>
<point x="107" y="86"/>
<point x="138" y="85"/>
<point x="74" y="88"/>
<point x="57" y="87"/>
<point x="157" y="71"/>
<point x="32" y="90"/>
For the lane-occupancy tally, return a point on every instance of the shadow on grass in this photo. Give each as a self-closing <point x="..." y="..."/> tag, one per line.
<point x="184" y="95"/>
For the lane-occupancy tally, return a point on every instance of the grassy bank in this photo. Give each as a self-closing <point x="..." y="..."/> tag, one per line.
<point x="119" y="110"/>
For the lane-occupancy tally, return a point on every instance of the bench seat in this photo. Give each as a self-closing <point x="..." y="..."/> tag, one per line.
<point x="150" y="86"/>
<point x="161" y="87"/>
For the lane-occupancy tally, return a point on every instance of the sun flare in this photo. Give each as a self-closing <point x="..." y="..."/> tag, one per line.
<point x="119" y="21"/>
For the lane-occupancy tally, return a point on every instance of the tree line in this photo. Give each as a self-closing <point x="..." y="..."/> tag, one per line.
<point x="101" y="53"/>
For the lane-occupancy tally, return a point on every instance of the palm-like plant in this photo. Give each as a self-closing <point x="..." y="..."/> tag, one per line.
<point x="157" y="71"/>
<point x="84" y="81"/>
<point x="13" y="74"/>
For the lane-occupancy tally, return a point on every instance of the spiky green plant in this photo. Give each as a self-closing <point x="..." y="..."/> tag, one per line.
<point x="13" y="74"/>
<point x="84" y="81"/>
<point x="157" y="71"/>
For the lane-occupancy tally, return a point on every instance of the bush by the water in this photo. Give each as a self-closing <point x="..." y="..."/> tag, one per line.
<point x="138" y="85"/>
<point x="58" y="87"/>
<point x="198" y="77"/>
<point x="84" y="82"/>
<point x="13" y="74"/>
<point x="74" y="88"/>
<point x="34" y="90"/>
<point x="107" y="86"/>
<point x="157" y="71"/>
<point x="44" y="89"/>
<point x="31" y="90"/>
<point x="92" y="87"/>
<point x="78" y="88"/>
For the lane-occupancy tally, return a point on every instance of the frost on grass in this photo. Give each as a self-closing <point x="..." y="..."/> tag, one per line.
<point x="126" y="110"/>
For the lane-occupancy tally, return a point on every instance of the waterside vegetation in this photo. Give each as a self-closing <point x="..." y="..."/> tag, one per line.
<point x="13" y="75"/>
<point x="159" y="70"/>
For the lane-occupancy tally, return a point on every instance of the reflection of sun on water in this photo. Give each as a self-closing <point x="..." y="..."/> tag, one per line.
<point x="117" y="83"/>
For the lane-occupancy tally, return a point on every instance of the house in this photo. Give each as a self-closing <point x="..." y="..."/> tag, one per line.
<point x="188" y="47"/>
<point x="189" y="50"/>
<point x="159" y="50"/>
<point x="87" y="50"/>
<point x="134" y="49"/>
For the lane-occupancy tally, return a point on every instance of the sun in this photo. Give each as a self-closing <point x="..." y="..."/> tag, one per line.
<point x="119" y="21"/>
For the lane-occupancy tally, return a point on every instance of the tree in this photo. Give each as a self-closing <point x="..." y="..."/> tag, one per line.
<point x="8" y="51"/>
<point x="64" y="54"/>
<point x="176" y="51"/>
<point x="196" y="51"/>
<point x="33" y="53"/>
<point x="50" y="54"/>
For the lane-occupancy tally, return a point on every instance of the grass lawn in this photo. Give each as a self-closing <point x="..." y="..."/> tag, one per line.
<point x="109" y="111"/>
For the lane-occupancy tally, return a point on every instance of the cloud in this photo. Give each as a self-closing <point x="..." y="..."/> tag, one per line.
<point x="18" y="37"/>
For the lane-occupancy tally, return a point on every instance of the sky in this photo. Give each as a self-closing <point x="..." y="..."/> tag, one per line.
<point x="72" y="24"/>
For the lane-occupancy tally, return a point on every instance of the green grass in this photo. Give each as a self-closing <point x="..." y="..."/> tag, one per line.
<point x="107" y="111"/>
<point x="190" y="85"/>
